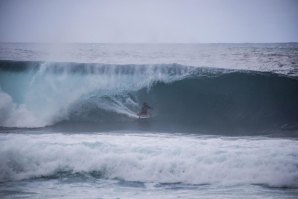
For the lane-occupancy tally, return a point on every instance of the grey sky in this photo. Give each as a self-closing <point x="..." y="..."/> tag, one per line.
<point x="149" y="21"/>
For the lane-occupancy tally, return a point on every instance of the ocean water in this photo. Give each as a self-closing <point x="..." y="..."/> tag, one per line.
<point x="224" y="122"/>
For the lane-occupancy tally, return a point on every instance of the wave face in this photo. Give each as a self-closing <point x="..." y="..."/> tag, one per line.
<point x="146" y="158"/>
<point x="39" y="94"/>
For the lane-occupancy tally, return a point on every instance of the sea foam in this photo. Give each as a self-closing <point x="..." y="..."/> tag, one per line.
<point x="159" y="158"/>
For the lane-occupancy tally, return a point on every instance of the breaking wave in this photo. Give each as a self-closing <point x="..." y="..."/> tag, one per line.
<point x="39" y="94"/>
<point x="151" y="158"/>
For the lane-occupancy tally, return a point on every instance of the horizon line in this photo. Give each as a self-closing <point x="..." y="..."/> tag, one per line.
<point x="25" y="42"/>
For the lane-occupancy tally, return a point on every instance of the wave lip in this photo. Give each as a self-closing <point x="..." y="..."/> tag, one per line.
<point x="55" y="87"/>
<point x="184" y="98"/>
<point x="146" y="158"/>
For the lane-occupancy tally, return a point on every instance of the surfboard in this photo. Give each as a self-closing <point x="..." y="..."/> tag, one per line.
<point x="143" y="116"/>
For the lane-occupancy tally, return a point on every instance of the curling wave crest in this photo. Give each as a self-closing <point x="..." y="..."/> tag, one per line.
<point x="37" y="94"/>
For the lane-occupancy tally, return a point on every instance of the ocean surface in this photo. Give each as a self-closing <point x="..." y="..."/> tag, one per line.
<point x="224" y="122"/>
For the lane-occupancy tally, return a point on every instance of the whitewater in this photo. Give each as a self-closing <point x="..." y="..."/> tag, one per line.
<point x="223" y="125"/>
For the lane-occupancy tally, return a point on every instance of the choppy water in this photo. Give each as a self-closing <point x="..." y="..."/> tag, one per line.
<point x="277" y="57"/>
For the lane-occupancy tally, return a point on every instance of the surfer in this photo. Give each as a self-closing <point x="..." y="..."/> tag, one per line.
<point x="144" y="110"/>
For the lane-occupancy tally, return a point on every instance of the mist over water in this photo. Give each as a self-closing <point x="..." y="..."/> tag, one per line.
<point x="224" y="120"/>
<point x="186" y="95"/>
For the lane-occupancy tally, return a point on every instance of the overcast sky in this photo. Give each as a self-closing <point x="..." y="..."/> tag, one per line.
<point x="177" y="21"/>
